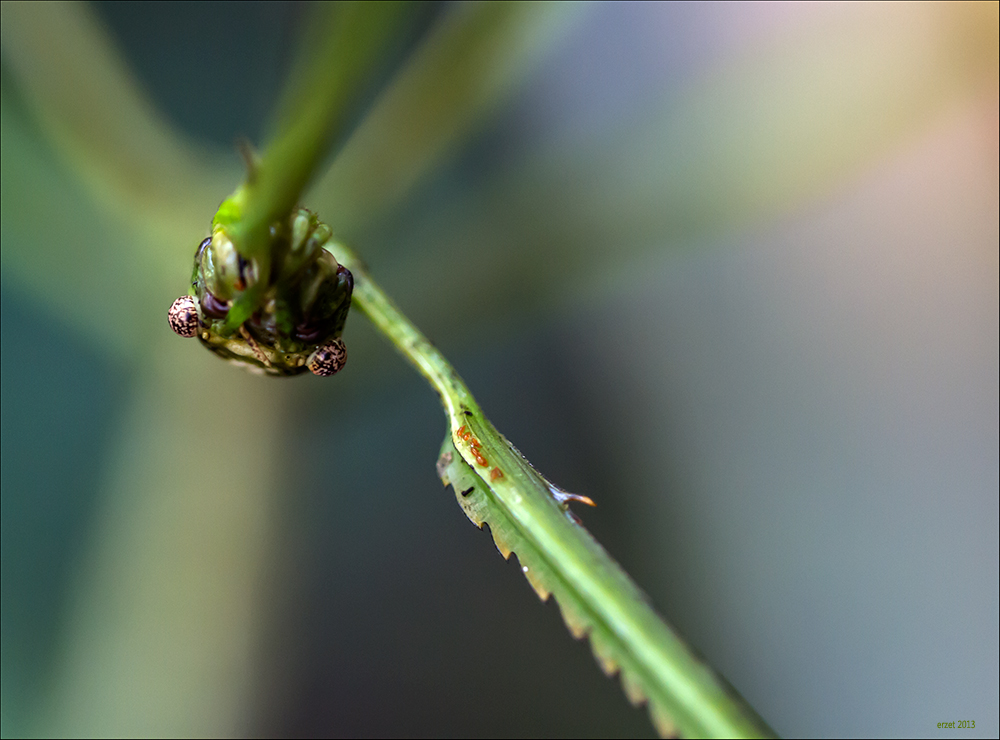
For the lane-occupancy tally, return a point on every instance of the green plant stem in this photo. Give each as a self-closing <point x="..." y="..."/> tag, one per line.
<point x="596" y="596"/>
<point x="342" y="52"/>
<point x="494" y="483"/>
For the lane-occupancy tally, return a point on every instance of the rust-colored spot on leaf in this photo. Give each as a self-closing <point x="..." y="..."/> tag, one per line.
<point x="496" y="473"/>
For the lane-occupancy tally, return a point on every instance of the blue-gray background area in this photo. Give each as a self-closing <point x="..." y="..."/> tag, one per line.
<point x="791" y="430"/>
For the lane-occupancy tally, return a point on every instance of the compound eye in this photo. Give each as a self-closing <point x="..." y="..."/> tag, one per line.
<point x="328" y="359"/>
<point x="183" y="316"/>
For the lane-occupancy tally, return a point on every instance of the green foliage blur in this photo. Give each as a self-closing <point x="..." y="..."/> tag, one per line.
<point x="730" y="270"/>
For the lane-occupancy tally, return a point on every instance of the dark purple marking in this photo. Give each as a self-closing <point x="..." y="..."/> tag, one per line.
<point x="213" y="307"/>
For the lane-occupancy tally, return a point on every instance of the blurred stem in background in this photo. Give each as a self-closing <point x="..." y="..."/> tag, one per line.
<point x="103" y="204"/>
<point x="596" y="597"/>
<point x="167" y="509"/>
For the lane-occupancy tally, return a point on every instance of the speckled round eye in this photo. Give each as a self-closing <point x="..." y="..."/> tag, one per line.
<point x="183" y="316"/>
<point x="328" y="359"/>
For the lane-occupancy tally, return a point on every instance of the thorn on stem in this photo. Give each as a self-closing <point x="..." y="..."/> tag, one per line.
<point x="249" y="156"/>
<point x="564" y="497"/>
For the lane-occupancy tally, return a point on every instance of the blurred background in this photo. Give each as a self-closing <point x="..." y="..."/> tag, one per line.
<point x="729" y="269"/>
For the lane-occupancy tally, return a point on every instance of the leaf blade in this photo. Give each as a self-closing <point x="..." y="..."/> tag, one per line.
<point x="496" y="485"/>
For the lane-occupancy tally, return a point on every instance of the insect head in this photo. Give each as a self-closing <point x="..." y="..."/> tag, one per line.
<point x="301" y="313"/>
